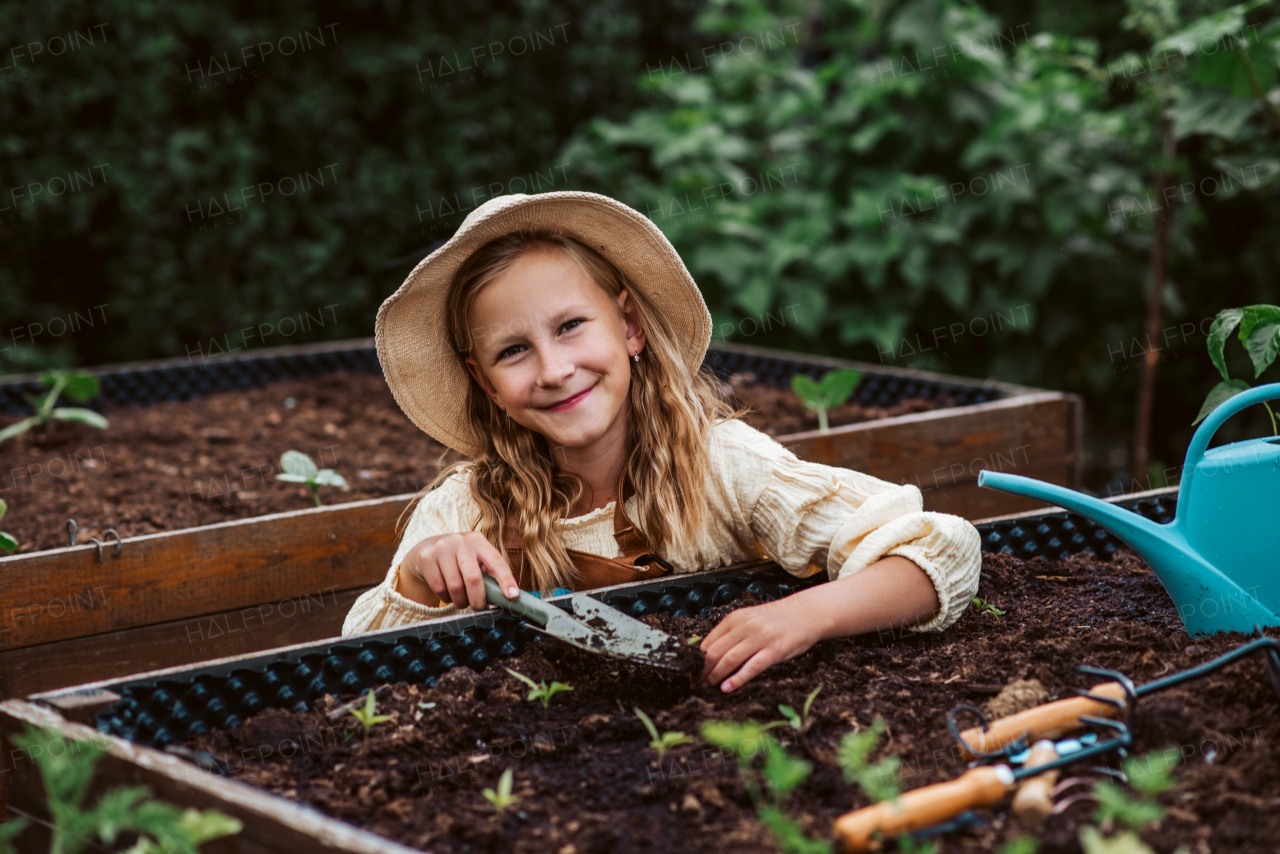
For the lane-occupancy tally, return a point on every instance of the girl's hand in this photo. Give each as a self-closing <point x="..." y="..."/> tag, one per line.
<point x="449" y="567"/>
<point x="751" y="639"/>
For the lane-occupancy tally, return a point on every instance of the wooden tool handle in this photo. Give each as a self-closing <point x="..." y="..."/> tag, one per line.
<point x="856" y="831"/>
<point x="1033" y="803"/>
<point x="1047" y="721"/>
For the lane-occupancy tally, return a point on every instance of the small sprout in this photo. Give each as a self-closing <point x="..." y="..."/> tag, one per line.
<point x="800" y="721"/>
<point x="985" y="607"/>
<point x="77" y="386"/>
<point x="366" y="715"/>
<point x="502" y="798"/>
<point x="821" y="396"/>
<point x="426" y="705"/>
<point x="300" y="468"/>
<point x="691" y="641"/>
<point x="879" y="780"/>
<point x="541" y="691"/>
<point x="7" y="541"/>
<point x="666" y="741"/>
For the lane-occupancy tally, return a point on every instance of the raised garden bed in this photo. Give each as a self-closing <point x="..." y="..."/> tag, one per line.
<point x="583" y="772"/>
<point x="213" y="554"/>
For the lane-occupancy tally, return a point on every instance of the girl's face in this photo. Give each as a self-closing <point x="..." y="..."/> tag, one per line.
<point x="555" y="350"/>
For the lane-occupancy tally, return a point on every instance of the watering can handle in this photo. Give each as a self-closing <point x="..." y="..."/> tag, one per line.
<point x="1230" y="406"/>
<point x="983" y="786"/>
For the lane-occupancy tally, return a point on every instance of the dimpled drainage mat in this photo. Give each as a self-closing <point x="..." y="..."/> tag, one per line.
<point x="168" y="710"/>
<point x="180" y="379"/>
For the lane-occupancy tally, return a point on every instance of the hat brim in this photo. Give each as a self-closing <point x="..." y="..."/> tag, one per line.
<point x="424" y="374"/>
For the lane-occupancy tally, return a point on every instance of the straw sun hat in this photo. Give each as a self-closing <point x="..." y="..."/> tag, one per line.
<point x="424" y="373"/>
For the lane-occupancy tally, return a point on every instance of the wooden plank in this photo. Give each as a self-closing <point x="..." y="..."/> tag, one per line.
<point x="272" y="824"/>
<point x="299" y="619"/>
<point x="946" y="448"/>
<point x="65" y="593"/>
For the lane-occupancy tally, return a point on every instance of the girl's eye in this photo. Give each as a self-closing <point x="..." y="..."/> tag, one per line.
<point x="509" y="350"/>
<point x="515" y="347"/>
<point x="567" y="322"/>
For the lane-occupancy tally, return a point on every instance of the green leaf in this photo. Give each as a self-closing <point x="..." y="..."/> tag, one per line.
<point x="293" y="478"/>
<point x="813" y="695"/>
<point x="789" y="835"/>
<point x="329" y="477"/>
<point x="1227" y="320"/>
<point x="1252" y="315"/>
<point x="525" y="679"/>
<point x="1263" y="346"/>
<point x="836" y="386"/>
<point x="807" y="387"/>
<point x="784" y="772"/>
<point x="1220" y="393"/>
<point x="298" y="463"/>
<point x="4" y="507"/>
<point x="648" y="724"/>
<point x="81" y="387"/>
<point x="82" y="416"/>
<point x="8" y="543"/>
<point x="18" y="428"/>
<point x="791" y="715"/>
<point x="1208" y="112"/>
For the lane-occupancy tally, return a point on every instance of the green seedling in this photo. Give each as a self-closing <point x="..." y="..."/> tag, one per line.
<point x="67" y="768"/>
<point x="300" y="468"/>
<point x="821" y="396"/>
<point x="77" y="386"/>
<point x="367" y="715"/>
<point x="540" y="691"/>
<point x="666" y="741"/>
<point x="426" y="705"/>
<point x="800" y="721"/>
<point x="7" y="541"/>
<point x="780" y="775"/>
<point x="1260" y="334"/>
<point x="502" y="798"/>
<point x="880" y="779"/>
<point x="1150" y="776"/>
<point x="989" y="608"/>
<point x="693" y="640"/>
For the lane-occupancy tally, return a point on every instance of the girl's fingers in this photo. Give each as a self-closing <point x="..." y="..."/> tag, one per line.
<point x="473" y="577"/>
<point x="756" y="664"/>
<point x="731" y="661"/>
<point x="453" y="579"/>
<point x="498" y="568"/>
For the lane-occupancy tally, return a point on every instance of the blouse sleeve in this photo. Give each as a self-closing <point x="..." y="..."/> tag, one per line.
<point x="439" y="512"/>
<point x="812" y="513"/>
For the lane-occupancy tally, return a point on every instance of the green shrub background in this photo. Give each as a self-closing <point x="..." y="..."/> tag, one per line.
<point x="1066" y="116"/>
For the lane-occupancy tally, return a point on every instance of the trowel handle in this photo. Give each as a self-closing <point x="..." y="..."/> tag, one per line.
<point x="863" y="830"/>
<point x="1047" y="721"/>
<point x="531" y="608"/>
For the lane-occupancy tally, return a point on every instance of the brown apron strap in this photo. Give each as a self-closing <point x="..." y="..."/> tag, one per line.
<point x="638" y="562"/>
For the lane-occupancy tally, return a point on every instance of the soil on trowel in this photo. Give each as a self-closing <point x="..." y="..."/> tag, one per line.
<point x="214" y="459"/>
<point x="586" y="779"/>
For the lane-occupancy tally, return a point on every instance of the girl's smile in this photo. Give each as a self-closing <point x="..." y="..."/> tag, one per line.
<point x="571" y="402"/>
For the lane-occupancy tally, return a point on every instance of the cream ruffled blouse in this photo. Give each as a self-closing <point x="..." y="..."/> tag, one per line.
<point x="806" y="516"/>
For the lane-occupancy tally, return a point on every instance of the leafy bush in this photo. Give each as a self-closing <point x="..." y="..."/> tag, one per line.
<point x="1260" y="334"/>
<point x="987" y="213"/>
<point x="162" y="827"/>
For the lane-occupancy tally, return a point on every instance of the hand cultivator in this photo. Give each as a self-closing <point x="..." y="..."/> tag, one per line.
<point x="1003" y="758"/>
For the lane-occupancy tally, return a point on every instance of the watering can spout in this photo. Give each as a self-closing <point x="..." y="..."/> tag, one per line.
<point x="1138" y="532"/>
<point x="1207" y="600"/>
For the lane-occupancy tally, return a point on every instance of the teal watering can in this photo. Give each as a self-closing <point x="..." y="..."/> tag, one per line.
<point x="1219" y="559"/>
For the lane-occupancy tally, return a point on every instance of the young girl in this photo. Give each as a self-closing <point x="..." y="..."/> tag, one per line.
<point x="557" y="339"/>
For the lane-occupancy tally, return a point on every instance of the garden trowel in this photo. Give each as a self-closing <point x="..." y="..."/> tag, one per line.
<point x="594" y="627"/>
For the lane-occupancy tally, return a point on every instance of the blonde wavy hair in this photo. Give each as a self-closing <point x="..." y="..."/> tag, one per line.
<point x="514" y="478"/>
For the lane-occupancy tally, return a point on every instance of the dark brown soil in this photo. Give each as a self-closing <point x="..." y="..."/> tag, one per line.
<point x="587" y="781"/>
<point x="214" y="459"/>
<point x="779" y="412"/>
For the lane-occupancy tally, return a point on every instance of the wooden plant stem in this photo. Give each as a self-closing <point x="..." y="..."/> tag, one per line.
<point x="1155" y="297"/>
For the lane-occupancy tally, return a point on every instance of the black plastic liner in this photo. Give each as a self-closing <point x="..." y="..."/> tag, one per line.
<point x="168" y="710"/>
<point x="184" y="380"/>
